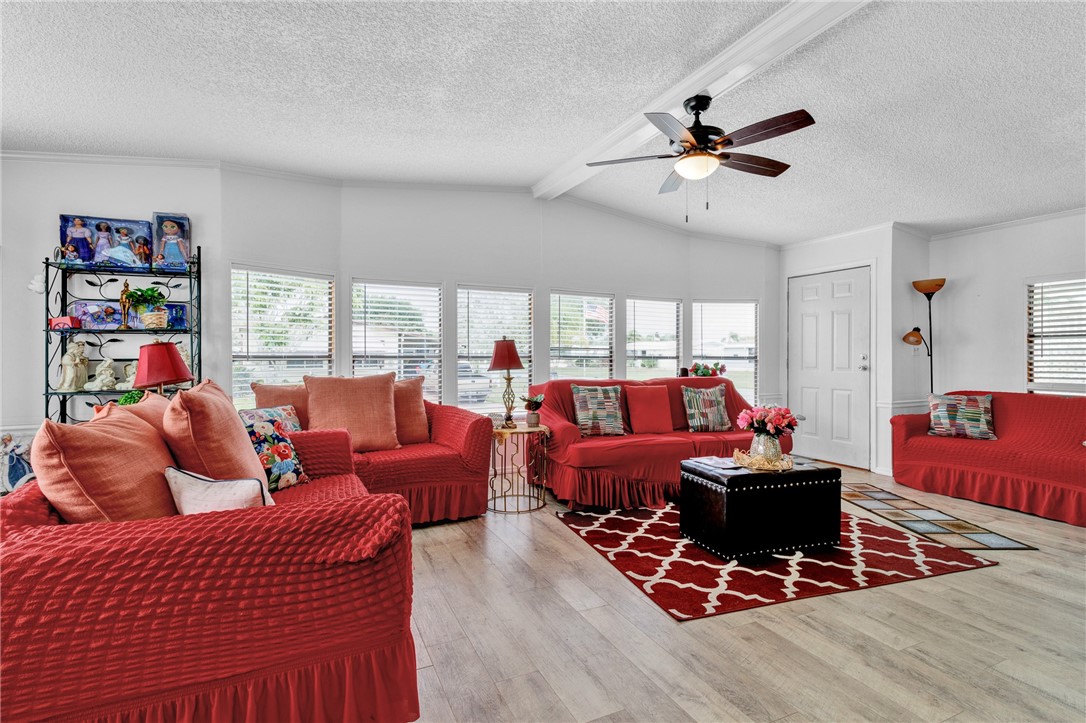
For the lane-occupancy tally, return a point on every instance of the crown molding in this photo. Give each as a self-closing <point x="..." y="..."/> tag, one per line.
<point x="1011" y="224"/>
<point x="715" y="238"/>
<point x="47" y="157"/>
<point x="386" y="185"/>
<point x="279" y="175"/>
<point x="838" y="236"/>
<point x="794" y="25"/>
<point x="911" y="230"/>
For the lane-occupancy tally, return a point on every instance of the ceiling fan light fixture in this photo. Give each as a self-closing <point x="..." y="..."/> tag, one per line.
<point x="695" y="165"/>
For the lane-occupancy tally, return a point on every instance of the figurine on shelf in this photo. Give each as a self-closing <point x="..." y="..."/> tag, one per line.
<point x="73" y="368"/>
<point x="104" y="378"/>
<point x="142" y="249"/>
<point x="103" y="241"/>
<point x="172" y="234"/>
<point x="126" y="305"/>
<point x="129" y="376"/>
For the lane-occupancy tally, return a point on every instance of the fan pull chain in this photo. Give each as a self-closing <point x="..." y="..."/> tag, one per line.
<point x="687" y="202"/>
<point x="706" y="193"/>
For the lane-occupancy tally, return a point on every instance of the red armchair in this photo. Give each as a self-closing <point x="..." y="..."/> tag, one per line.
<point x="296" y="612"/>
<point x="443" y="479"/>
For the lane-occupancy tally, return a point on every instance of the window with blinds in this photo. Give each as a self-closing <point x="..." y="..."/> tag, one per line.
<point x="727" y="332"/>
<point x="653" y="336"/>
<point x="483" y="316"/>
<point x="1056" y="337"/>
<point x="281" y="329"/>
<point x="582" y="336"/>
<point x="397" y="328"/>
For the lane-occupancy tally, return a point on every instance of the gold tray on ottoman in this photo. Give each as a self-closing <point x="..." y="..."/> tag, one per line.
<point x="762" y="464"/>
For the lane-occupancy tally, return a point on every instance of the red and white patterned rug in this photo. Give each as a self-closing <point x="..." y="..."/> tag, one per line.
<point x="688" y="582"/>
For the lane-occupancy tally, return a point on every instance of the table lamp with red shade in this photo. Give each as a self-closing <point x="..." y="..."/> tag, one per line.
<point x="160" y="364"/>
<point x="506" y="358"/>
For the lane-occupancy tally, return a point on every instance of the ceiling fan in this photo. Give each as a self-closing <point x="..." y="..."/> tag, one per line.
<point x="700" y="149"/>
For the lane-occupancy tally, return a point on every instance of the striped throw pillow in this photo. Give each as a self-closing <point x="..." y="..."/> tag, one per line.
<point x="958" y="415"/>
<point x="599" y="410"/>
<point x="705" y="410"/>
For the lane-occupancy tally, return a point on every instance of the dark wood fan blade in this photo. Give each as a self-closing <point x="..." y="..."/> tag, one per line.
<point x="671" y="183"/>
<point x="764" y="130"/>
<point x="753" y="164"/>
<point x="628" y="160"/>
<point x="672" y="127"/>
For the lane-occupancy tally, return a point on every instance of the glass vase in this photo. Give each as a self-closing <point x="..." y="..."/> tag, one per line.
<point x="766" y="446"/>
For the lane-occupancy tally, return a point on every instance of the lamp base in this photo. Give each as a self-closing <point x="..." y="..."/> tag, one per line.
<point x="510" y="399"/>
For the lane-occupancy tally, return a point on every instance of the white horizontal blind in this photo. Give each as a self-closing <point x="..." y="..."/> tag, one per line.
<point x="727" y="331"/>
<point x="582" y="336"/>
<point x="483" y="316"/>
<point x="1056" y="337"/>
<point x="281" y="329"/>
<point x="397" y="328"/>
<point x="653" y="336"/>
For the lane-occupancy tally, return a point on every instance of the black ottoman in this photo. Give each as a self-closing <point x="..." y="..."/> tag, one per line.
<point x="734" y="512"/>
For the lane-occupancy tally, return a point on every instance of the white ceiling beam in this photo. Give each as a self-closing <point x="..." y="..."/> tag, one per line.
<point x="790" y="27"/>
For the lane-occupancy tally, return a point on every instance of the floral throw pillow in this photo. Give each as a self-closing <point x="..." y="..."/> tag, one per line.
<point x="599" y="410"/>
<point x="268" y="429"/>
<point x="959" y="415"/>
<point x="705" y="410"/>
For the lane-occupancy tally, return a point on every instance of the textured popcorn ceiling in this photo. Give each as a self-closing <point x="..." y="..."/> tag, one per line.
<point x="941" y="115"/>
<point x="944" y="116"/>
<point x="469" y="92"/>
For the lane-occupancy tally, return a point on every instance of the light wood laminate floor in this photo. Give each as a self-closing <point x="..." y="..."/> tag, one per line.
<point x="516" y="619"/>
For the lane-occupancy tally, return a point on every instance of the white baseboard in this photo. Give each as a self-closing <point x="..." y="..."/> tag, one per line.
<point x="883" y="471"/>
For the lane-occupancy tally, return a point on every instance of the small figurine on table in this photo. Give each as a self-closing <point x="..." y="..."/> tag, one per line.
<point x="73" y="368"/>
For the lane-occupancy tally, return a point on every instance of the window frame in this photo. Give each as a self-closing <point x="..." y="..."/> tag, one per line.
<point x="249" y="268"/>
<point x="527" y="356"/>
<point x="552" y="356"/>
<point x="1071" y="388"/>
<point x="438" y="379"/>
<point x="756" y="359"/>
<point x="678" y="332"/>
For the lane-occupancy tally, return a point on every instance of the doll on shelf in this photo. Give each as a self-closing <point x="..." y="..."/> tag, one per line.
<point x="142" y="250"/>
<point x="79" y="236"/>
<point x="103" y="241"/>
<point x="172" y="245"/>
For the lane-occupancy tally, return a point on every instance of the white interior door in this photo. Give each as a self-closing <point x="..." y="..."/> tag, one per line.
<point x="829" y="364"/>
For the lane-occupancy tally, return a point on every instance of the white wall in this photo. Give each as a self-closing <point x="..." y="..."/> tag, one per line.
<point x="980" y="315"/>
<point x="35" y="193"/>
<point x="451" y="236"/>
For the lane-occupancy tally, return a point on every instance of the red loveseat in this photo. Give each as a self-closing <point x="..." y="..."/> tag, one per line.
<point x="446" y="478"/>
<point x="296" y="612"/>
<point x="1036" y="465"/>
<point x="632" y="470"/>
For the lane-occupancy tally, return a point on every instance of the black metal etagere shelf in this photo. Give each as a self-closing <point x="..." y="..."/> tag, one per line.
<point x="66" y="283"/>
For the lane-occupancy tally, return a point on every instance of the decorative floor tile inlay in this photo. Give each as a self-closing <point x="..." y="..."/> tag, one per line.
<point x="934" y="524"/>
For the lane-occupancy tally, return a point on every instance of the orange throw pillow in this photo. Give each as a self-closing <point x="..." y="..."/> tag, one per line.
<point x="280" y="395"/>
<point x="650" y="409"/>
<point x="151" y="408"/>
<point x="206" y="435"/>
<point x="109" y="469"/>
<point x="364" y="405"/>
<point x="411" y="424"/>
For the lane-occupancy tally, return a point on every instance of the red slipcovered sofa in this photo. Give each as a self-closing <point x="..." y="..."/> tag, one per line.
<point x="1036" y="465"/>
<point x="632" y="470"/>
<point x="295" y="612"/>
<point x="446" y="478"/>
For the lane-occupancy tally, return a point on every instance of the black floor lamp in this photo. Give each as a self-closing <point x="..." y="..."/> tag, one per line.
<point x="927" y="287"/>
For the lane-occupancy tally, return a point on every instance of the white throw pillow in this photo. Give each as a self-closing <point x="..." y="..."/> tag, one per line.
<point x="193" y="493"/>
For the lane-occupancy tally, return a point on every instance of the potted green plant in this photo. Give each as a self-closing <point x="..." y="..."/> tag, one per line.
<point x="533" y="405"/>
<point x="148" y="303"/>
<point x="707" y="370"/>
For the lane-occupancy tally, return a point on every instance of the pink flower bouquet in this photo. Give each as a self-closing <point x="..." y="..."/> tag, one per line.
<point x="774" y="421"/>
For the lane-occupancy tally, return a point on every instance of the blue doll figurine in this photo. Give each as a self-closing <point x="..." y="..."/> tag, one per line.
<point x="172" y="246"/>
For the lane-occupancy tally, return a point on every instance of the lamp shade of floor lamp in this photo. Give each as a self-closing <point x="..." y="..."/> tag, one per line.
<point x="505" y="358"/>
<point x="160" y="364"/>
<point x="927" y="287"/>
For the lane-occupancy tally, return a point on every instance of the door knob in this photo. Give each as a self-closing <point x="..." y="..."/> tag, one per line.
<point x="862" y="367"/>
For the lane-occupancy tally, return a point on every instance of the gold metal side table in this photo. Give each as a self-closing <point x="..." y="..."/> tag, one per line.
<point x="516" y="454"/>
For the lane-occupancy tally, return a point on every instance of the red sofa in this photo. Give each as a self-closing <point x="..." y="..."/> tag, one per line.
<point x="296" y="612"/>
<point x="1036" y="465"/>
<point x="446" y="478"/>
<point x="632" y="470"/>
